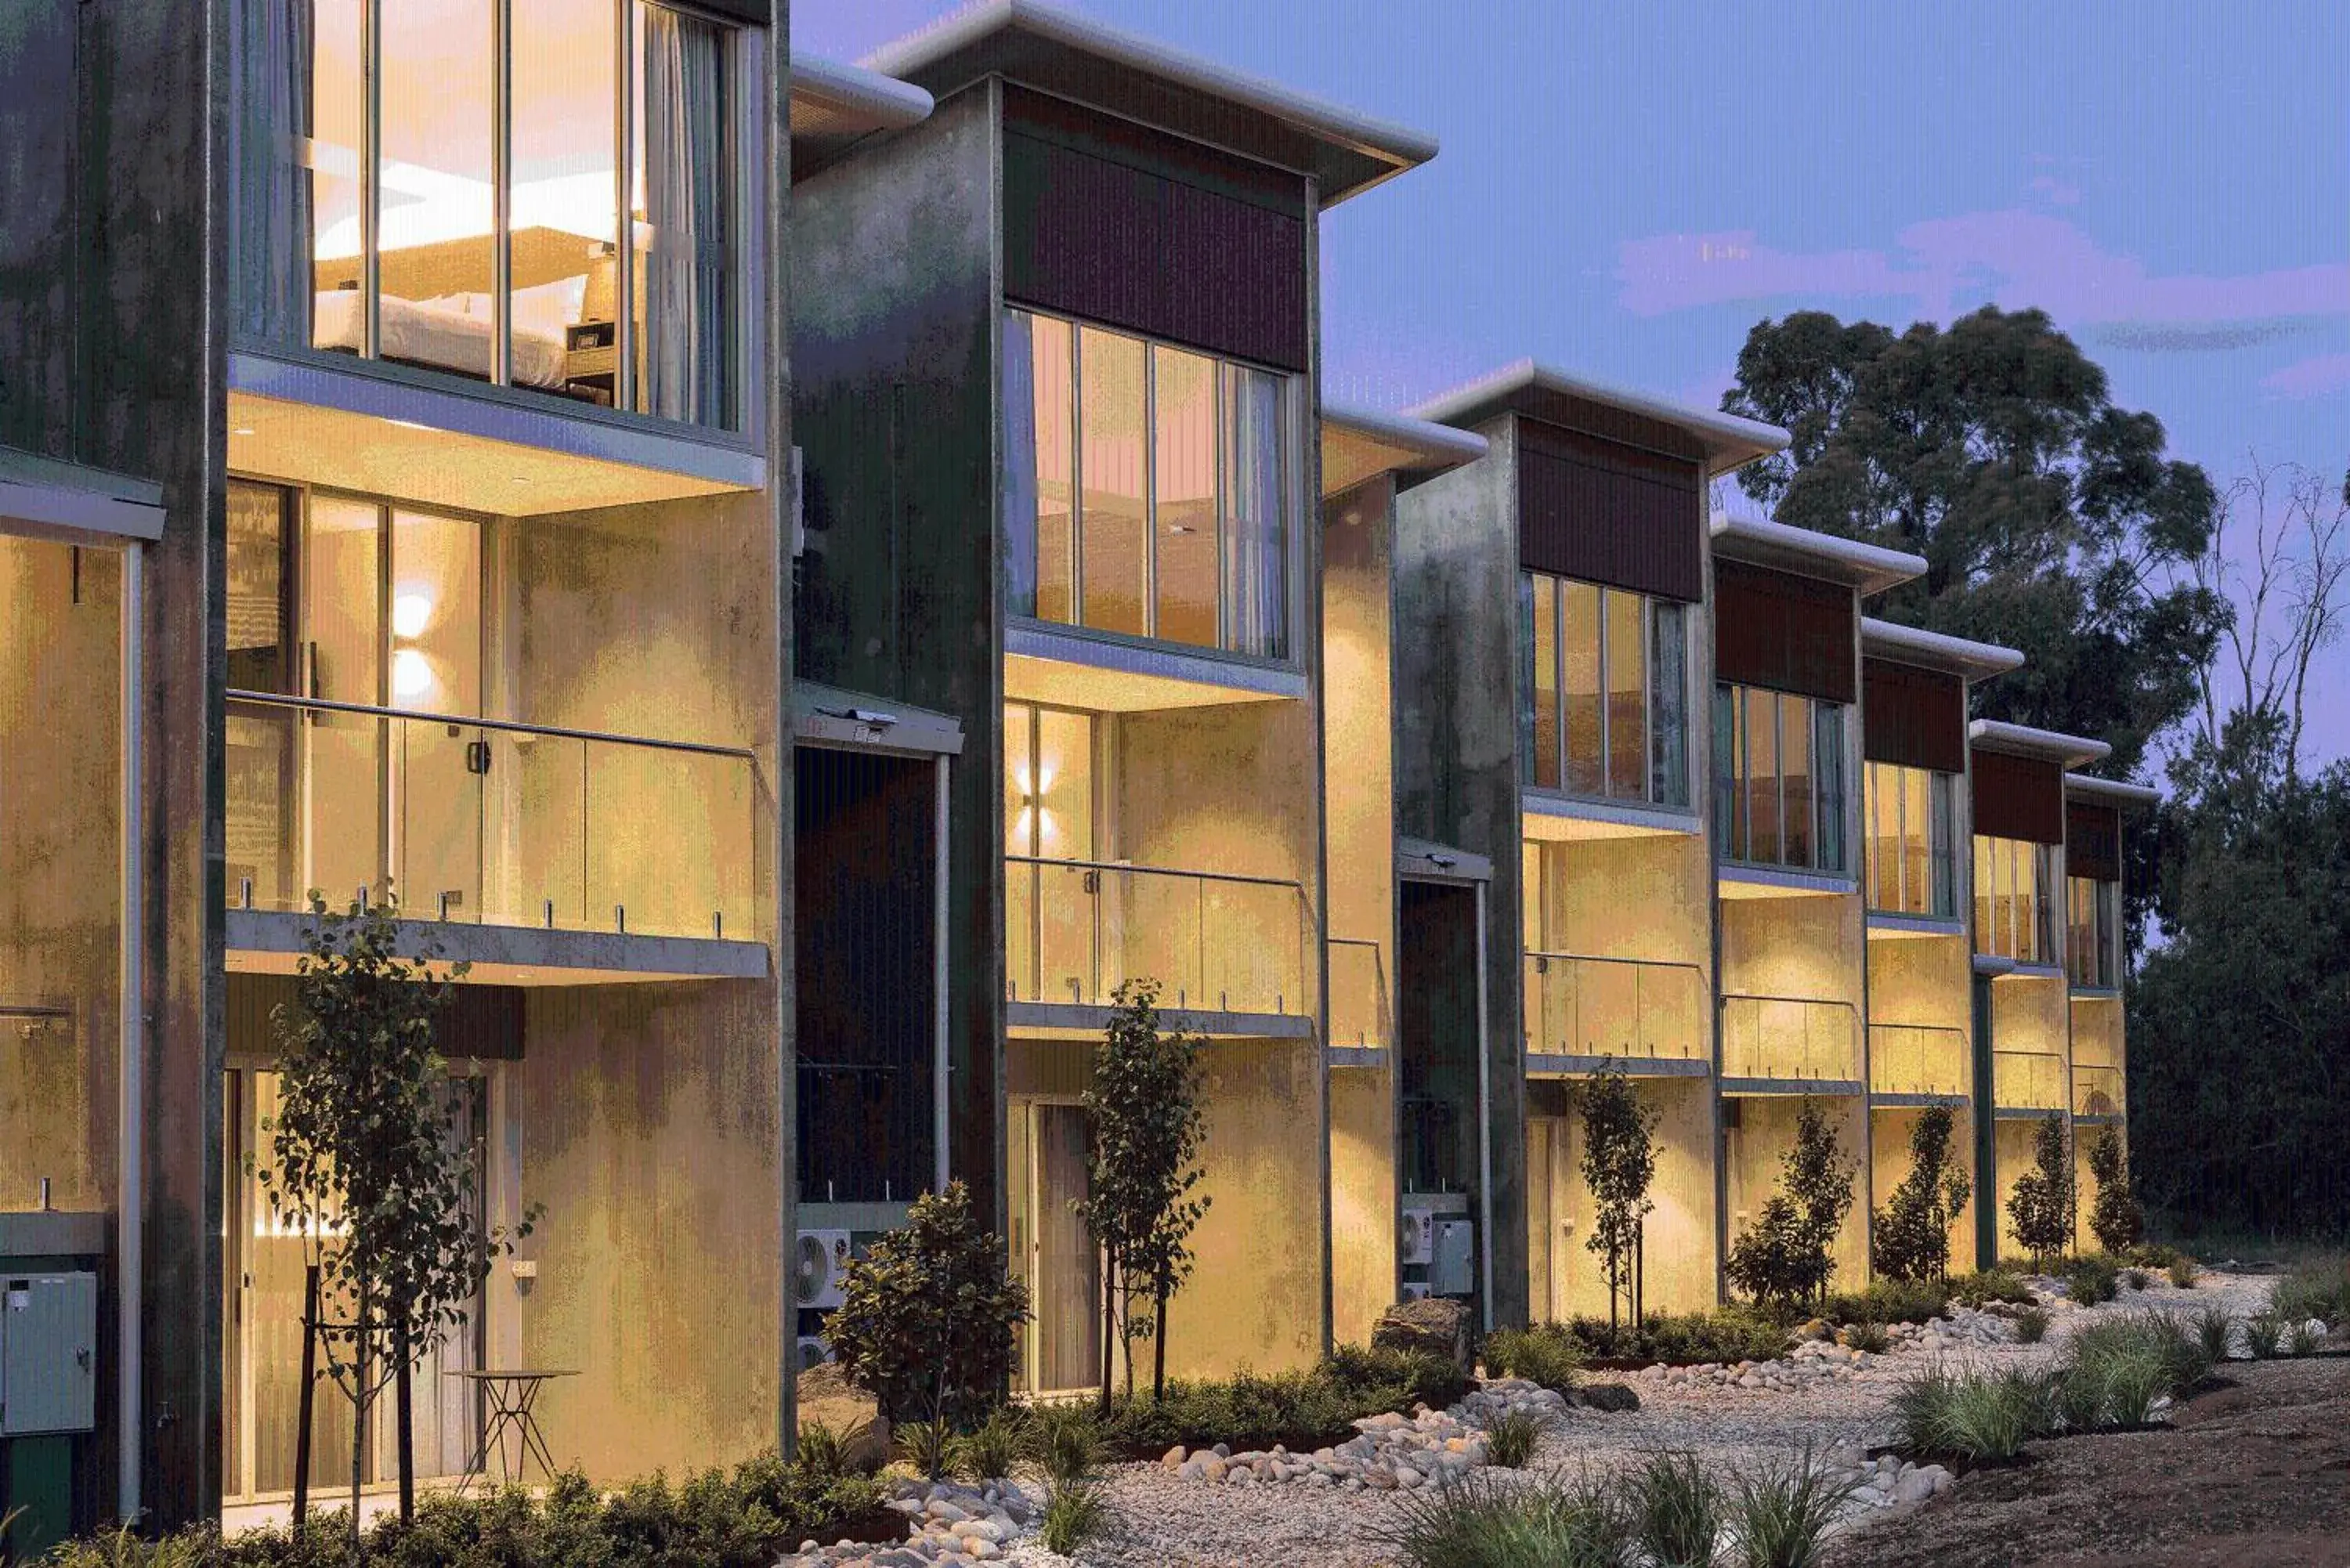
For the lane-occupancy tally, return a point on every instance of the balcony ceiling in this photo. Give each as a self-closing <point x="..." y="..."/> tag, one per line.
<point x="309" y="443"/>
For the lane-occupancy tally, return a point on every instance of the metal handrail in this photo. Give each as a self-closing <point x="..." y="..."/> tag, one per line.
<point x="1543" y="958"/>
<point x="511" y="726"/>
<point x="1962" y="1055"/>
<point x="2062" y="1089"/>
<point x="1852" y="1020"/>
<point x="1158" y="871"/>
<point x="1384" y="1021"/>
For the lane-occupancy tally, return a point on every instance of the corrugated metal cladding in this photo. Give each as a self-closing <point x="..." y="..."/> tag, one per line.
<point x="1598" y="510"/>
<point x="2019" y="797"/>
<point x="1785" y="632"/>
<point x="863" y="867"/>
<point x="2093" y="841"/>
<point x="1915" y="717"/>
<point x="1132" y="228"/>
<point x="480" y="1023"/>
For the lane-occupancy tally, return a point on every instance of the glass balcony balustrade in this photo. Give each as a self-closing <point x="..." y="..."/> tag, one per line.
<point x="1789" y="1039"/>
<point x="486" y="821"/>
<point x="1077" y="930"/>
<point x="2029" y="1080"/>
<point x="1359" y="1014"/>
<point x="1632" y="1009"/>
<point x="1919" y="1059"/>
<point x="2098" y="1092"/>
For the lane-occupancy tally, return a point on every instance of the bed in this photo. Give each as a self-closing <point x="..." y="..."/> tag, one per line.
<point x="443" y="334"/>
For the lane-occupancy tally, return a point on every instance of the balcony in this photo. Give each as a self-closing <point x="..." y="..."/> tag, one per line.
<point x="2098" y="1092"/>
<point x="1362" y="1026"/>
<point x="1646" y="1015"/>
<point x="1790" y="1044"/>
<point x="1228" y="950"/>
<point x="1911" y="1063"/>
<point x="488" y="823"/>
<point x="2029" y="1080"/>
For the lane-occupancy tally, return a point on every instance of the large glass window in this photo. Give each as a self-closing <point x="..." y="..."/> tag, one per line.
<point x="2093" y="931"/>
<point x="1146" y="488"/>
<point x="1603" y="692"/>
<point x="2015" y="893"/>
<point x="385" y="234"/>
<point x="1779" y="779"/>
<point x="1912" y="867"/>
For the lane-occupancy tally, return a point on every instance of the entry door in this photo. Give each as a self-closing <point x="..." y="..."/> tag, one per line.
<point x="1062" y="1268"/>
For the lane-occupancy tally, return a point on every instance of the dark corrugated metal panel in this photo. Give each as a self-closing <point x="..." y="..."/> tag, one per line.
<point x="2093" y="841"/>
<point x="1783" y="631"/>
<point x="864" y="871"/>
<point x="2019" y="797"/>
<point x="1603" y="512"/>
<point x="1915" y="717"/>
<point x="1191" y="248"/>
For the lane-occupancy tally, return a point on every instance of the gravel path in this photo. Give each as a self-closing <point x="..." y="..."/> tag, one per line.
<point x="1163" y="1521"/>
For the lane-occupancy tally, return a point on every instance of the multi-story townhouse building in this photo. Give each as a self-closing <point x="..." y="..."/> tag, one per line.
<point x="2095" y="965"/>
<point x="1056" y="351"/>
<point x="432" y="355"/>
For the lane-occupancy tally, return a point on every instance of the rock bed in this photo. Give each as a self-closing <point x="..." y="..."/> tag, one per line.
<point x="1818" y="1358"/>
<point x="1392" y="1452"/>
<point x="948" y="1525"/>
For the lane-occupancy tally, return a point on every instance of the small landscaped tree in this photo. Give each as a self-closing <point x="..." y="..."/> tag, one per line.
<point x="1788" y="1254"/>
<point x="2040" y="1206"/>
<point x="363" y="1165"/>
<point x="2115" y="1218"/>
<point x="1147" y="1121"/>
<point x="1619" y="1161"/>
<point x="1913" y="1229"/>
<point x="929" y="1317"/>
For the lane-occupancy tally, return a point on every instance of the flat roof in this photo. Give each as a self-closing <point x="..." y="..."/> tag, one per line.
<point x="1936" y="650"/>
<point x="1871" y="568"/>
<point x="1534" y="390"/>
<point x="1358" y="443"/>
<point x="836" y="105"/>
<point x="2111" y="791"/>
<point x="1123" y="73"/>
<point x="2023" y="741"/>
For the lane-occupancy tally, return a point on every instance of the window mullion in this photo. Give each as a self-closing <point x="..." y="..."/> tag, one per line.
<point x="1076" y="477"/>
<point x="501" y="192"/>
<point x="1149" y="489"/>
<point x="370" y="179"/>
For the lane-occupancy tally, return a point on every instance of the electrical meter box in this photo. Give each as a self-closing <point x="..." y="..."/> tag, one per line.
<point x="48" y="1353"/>
<point x="1452" y="1258"/>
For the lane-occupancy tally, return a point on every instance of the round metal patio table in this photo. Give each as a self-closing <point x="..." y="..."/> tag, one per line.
<point x="510" y="1420"/>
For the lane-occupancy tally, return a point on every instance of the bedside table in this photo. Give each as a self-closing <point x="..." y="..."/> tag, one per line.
<point x="591" y="359"/>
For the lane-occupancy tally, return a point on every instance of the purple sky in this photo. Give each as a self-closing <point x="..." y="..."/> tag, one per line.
<point x="1624" y="190"/>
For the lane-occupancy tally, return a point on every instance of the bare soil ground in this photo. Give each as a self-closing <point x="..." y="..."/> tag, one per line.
<point x="2254" y="1473"/>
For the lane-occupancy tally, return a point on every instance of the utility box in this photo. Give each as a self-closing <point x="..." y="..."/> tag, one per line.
<point x="1452" y="1258"/>
<point x="48" y="1353"/>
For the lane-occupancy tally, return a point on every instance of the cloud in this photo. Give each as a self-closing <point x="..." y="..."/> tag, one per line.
<point x="2055" y="191"/>
<point x="2311" y="378"/>
<point x="2012" y="259"/>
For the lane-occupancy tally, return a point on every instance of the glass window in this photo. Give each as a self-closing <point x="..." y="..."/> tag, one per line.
<point x="1779" y="779"/>
<point x="1184" y="492"/>
<point x="1668" y="703"/>
<point x="1604" y="692"/>
<point x="1795" y="802"/>
<point x="1580" y="628"/>
<point x="1910" y="870"/>
<point x="1729" y="769"/>
<point x="1540" y="596"/>
<point x="424" y="222"/>
<point x="1176" y="526"/>
<point x="1830" y="803"/>
<point x="1627" y="696"/>
<point x="1762" y="842"/>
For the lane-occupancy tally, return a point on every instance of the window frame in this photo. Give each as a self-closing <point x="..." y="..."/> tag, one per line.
<point x="1937" y="837"/>
<point x="1285" y="596"/>
<point x="1659" y="790"/>
<point x="1827" y="748"/>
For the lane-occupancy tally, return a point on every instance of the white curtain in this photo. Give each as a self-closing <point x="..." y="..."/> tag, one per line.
<point x="686" y="171"/>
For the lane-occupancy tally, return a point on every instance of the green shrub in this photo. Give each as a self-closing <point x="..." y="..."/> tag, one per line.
<point x="1979" y="1290"/>
<point x="2318" y="1288"/>
<point x="1786" y="1255"/>
<point x="1544" y="1353"/>
<point x="1912" y="1237"/>
<point x="988" y="1453"/>
<point x="1869" y="1337"/>
<point x="1401" y="1378"/>
<point x="1510" y="1441"/>
<point x="2133" y="1279"/>
<point x="1483" y="1522"/>
<point x="925" y="1445"/>
<point x="1075" y="1512"/>
<point x="2184" y="1272"/>
<point x="2090" y="1279"/>
<point x="2264" y="1335"/>
<point x="1782" y="1512"/>
<point x="2031" y="1326"/>
<point x="2154" y="1255"/>
<point x="1299" y="1410"/>
<point x="1972" y="1414"/>
<point x="1890" y="1301"/>
<point x="1676" y="1512"/>
<point x="1685" y="1340"/>
<point x="2040" y="1205"/>
<point x="1064" y="1440"/>
<point x="819" y="1451"/>
<point x="2215" y="1329"/>
<point x="2115" y="1218"/>
<point x="928" y="1317"/>
<point x="2300" y="1339"/>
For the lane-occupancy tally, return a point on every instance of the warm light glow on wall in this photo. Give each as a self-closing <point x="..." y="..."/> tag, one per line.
<point x="411" y="673"/>
<point x="410" y="614"/>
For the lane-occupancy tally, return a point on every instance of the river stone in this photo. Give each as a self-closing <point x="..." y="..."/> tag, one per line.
<point x="1614" y="1397"/>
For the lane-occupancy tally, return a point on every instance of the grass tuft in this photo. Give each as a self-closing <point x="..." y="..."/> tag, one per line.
<point x="2185" y="1272"/>
<point x="989" y="1453"/>
<point x="1972" y="1414"/>
<point x="1545" y="1354"/>
<point x="1509" y="1440"/>
<point x="1064" y="1440"/>
<point x="2264" y="1335"/>
<point x="1075" y="1512"/>
<point x="1479" y="1521"/>
<point x="1677" y="1511"/>
<point x="1870" y="1336"/>
<point x="2031" y="1326"/>
<point x="2215" y="1330"/>
<point x="1782" y="1512"/>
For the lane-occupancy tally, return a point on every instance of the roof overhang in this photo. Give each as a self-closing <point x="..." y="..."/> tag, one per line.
<point x="834" y="105"/>
<point x="1536" y="391"/>
<point x="1871" y="568"/>
<point x="65" y="500"/>
<point x="1936" y="650"/>
<point x="1358" y="445"/>
<point x="2111" y="791"/>
<point x="2023" y="741"/>
<point x="827" y="715"/>
<point x="1120" y="73"/>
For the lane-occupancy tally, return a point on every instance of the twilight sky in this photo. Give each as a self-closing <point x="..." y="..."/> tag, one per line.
<point x="1624" y="190"/>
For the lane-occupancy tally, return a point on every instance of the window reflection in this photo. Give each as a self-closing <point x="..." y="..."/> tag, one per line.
<point x="1911" y="867"/>
<point x="1604" y="699"/>
<point x="1779" y="778"/>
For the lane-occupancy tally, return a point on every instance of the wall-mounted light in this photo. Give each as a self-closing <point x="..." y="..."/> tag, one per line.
<point x="410" y="614"/>
<point x="411" y="673"/>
